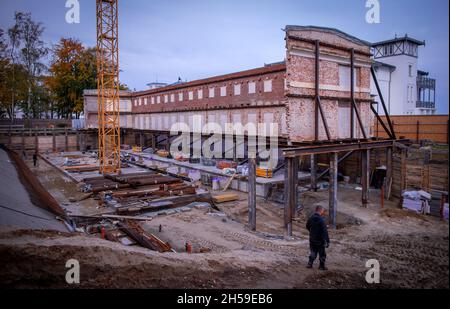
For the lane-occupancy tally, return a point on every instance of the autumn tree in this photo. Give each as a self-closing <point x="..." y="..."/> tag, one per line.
<point x="72" y="69"/>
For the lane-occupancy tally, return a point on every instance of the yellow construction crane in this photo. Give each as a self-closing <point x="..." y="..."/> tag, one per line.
<point x="108" y="86"/>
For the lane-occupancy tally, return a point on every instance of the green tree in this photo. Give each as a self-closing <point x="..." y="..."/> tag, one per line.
<point x="32" y="50"/>
<point x="21" y="62"/>
<point x="13" y="79"/>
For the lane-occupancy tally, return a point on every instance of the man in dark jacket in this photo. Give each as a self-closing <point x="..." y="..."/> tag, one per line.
<point x="318" y="238"/>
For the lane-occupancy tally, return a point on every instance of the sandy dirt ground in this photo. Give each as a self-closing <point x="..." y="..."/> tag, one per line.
<point x="412" y="249"/>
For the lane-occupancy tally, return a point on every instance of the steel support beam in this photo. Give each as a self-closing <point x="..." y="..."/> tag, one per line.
<point x="365" y="176"/>
<point x="252" y="193"/>
<point x="141" y="140"/>
<point x="352" y="94"/>
<point x="354" y="109"/>
<point x="290" y="200"/>
<point x="332" y="190"/>
<point x="338" y="147"/>
<point x="153" y="142"/>
<point x="348" y="154"/>
<point x="314" y="173"/>
<point x="381" y="122"/>
<point x="316" y="83"/>
<point x="318" y="105"/>
<point x="386" y="113"/>
<point x="389" y="171"/>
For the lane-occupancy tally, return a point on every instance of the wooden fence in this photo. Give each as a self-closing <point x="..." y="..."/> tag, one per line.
<point x="417" y="128"/>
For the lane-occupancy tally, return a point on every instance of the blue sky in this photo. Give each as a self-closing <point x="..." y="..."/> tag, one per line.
<point x="163" y="39"/>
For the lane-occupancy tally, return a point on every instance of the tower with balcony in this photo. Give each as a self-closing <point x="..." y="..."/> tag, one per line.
<point x="409" y="90"/>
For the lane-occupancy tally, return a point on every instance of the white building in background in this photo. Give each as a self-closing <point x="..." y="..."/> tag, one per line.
<point x="91" y="109"/>
<point x="405" y="89"/>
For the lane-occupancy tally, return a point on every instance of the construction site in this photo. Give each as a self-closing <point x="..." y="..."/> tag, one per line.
<point x="209" y="184"/>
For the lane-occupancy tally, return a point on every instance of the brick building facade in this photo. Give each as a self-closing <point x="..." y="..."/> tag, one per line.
<point x="281" y="93"/>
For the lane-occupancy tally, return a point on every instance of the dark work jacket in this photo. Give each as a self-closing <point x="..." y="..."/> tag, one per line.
<point x="318" y="232"/>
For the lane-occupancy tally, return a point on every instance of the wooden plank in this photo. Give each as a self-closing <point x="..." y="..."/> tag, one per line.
<point x="223" y="198"/>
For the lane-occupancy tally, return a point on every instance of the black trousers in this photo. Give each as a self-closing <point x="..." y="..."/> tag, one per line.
<point x="317" y="250"/>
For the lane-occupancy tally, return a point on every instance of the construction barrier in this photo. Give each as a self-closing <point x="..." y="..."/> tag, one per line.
<point x="417" y="127"/>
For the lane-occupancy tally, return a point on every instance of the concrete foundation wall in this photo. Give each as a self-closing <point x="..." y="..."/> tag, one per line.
<point x="43" y="142"/>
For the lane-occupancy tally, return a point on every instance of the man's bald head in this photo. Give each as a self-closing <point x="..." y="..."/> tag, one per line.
<point x="320" y="210"/>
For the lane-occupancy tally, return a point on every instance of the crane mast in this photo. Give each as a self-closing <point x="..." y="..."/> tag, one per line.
<point x="108" y="86"/>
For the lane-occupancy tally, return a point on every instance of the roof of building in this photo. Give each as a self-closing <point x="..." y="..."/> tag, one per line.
<point x="404" y="38"/>
<point x="383" y="64"/>
<point x="221" y="78"/>
<point x="93" y="92"/>
<point x="329" y="30"/>
<point x="157" y="84"/>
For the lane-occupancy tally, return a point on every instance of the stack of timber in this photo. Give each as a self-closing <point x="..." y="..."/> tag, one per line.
<point x="422" y="168"/>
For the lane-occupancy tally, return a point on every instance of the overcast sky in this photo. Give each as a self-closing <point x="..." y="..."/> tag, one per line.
<point x="162" y="39"/>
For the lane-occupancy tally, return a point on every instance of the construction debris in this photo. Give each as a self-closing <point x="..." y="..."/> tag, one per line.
<point x="223" y="198"/>
<point x="143" y="238"/>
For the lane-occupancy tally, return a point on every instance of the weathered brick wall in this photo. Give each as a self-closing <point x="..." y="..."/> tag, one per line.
<point x="158" y="109"/>
<point x="261" y="106"/>
<point x="300" y="83"/>
<point x="146" y="102"/>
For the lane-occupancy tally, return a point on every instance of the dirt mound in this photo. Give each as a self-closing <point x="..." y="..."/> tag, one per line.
<point x="407" y="261"/>
<point x="13" y="233"/>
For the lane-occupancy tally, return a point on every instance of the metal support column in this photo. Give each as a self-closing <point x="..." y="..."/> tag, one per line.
<point x="54" y="140"/>
<point x="388" y="171"/>
<point x="141" y="140"/>
<point x="252" y="194"/>
<point x="333" y="187"/>
<point x="23" y="140"/>
<point x="352" y="93"/>
<point x="66" y="140"/>
<point x="386" y="112"/>
<point x="154" y="142"/>
<point x="78" y="141"/>
<point x="314" y="173"/>
<point x="316" y="82"/>
<point x="365" y="176"/>
<point x="290" y="201"/>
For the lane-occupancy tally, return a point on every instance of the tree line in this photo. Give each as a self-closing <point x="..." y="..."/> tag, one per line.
<point x="40" y="81"/>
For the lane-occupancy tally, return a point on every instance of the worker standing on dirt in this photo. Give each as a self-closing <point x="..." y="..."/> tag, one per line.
<point x="318" y="238"/>
<point x="35" y="159"/>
